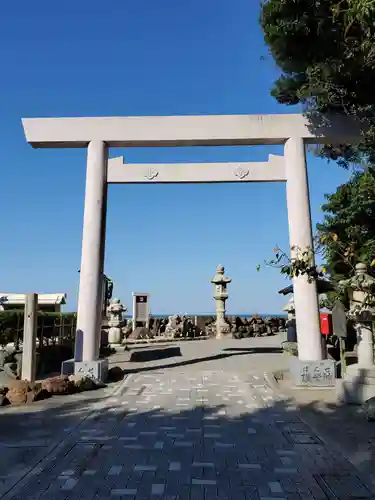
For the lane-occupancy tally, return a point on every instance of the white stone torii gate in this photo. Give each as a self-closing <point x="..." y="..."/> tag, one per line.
<point x="98" y="134"/>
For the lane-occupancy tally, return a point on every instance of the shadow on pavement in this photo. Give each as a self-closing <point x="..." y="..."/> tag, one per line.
<point x="223" y="355"/>
<point x="155" y="353"/>
<point x="256" y="350"/>
<point x="277" y="448"/>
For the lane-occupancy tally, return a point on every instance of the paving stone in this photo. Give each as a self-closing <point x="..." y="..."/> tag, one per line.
<point x="245" y="448"/>
<point x="123" y="492"/>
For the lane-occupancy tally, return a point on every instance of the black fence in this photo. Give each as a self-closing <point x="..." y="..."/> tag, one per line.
<point x="55" y="336"/>
<point x="53" y="328"/>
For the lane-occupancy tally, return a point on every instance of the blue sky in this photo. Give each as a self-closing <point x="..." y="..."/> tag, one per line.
<point x="87" y="58"/>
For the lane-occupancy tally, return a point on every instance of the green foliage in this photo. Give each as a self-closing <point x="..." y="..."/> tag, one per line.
<point x="326" y="52"/>
<point x="347" y="233"/>
<point x="301" y="263"/>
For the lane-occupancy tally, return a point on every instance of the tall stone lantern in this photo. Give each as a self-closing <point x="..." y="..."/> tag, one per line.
<point x="359" y="382"/>
<point x="220" y="295"/>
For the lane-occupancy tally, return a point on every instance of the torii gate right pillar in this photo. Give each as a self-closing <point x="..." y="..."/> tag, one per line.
<point x="300" y="237"/>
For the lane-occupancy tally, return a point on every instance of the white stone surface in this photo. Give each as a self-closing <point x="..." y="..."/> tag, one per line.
<point x="114" y="335"/>
<point x="149" y="131"/>
<point x="365" y="345"/>
<point x="17" y="299"/>
<point x="300" y="236"/>
<point x="272" y="170"/>
<point x="357" y="386"/>
<point x="92" y="259"/>
<point x="97" y="369"/>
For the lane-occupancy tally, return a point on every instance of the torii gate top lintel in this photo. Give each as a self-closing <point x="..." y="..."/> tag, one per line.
<point x="204" y="130"/>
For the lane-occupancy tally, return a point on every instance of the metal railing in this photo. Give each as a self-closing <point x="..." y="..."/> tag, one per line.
<point x="52" y="328"/>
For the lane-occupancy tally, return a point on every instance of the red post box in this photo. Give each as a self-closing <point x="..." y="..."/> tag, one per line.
<point x="325" y="323"/>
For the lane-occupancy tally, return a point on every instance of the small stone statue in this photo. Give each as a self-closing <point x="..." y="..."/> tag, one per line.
<point x="114" y="312"/>
<point x="172" y="328"/>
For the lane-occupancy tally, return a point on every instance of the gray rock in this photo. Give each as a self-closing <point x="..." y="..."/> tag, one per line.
<point x="369" y="409"/>
<point x="84" y="383"/>
<point x="290" y="348"/>
<point x="141" y="332"/>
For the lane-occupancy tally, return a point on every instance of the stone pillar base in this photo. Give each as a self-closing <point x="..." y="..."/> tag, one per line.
<point x="222" y="335"/>
<point x="94" y="369"/>
<point x="357" y="386"/>
<point x="222" y="330"/>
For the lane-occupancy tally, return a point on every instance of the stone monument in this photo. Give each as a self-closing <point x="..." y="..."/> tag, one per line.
<point x="358" y="385"/>
<point x="141" y="309"/>
<point x="115" y="321"/>
<point x="221" y="294"/>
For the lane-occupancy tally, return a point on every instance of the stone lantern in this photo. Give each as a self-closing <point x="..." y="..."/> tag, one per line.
<point x="361" y="288"/>
<point x="290" y="308"/>
<point x="220" y="295"/>
<point x="115" y="321"/>
<point x="359" y="382"/>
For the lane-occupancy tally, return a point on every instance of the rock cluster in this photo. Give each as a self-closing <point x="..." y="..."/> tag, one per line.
<point x="290" y="348"/>
<point x="254" y="326"/>
<point x="178" y="327"/>
<point x="140" y="332"/>
<point x="369" y="409"/>
<point x="172" y="327"/>
<point x="184" y="327"/>
<point x="23" y="392"/>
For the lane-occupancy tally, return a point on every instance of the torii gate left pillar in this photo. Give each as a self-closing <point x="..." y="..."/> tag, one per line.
<point x="89" y="314"/>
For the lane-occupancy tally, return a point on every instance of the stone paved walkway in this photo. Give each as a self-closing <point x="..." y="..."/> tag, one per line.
<point x="193" y="432"/>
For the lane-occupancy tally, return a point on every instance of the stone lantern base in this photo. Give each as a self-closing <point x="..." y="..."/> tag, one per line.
<point x="114" y="335"/>
<point x="357" y="386"/>
<point x="222" y="329"/>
